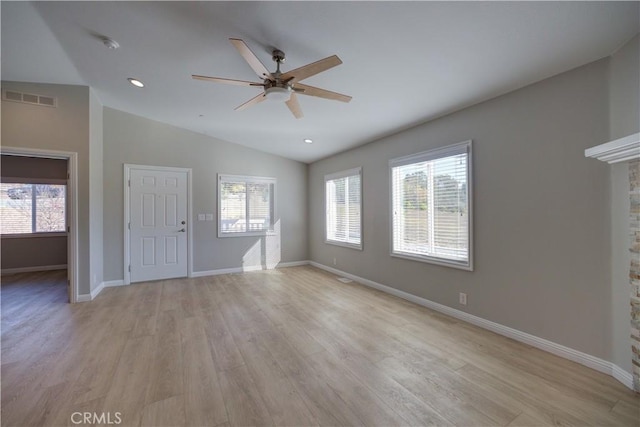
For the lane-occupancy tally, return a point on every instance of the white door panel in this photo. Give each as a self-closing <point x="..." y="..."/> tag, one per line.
<point x="158" y="215"/>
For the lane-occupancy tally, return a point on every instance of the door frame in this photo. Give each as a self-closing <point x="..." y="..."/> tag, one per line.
<point x="127" y="216"/>
<point x="72" y="205"/>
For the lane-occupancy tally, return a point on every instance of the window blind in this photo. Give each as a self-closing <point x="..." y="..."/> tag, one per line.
<point x="343" y="198"/>
<point x="430" y="204"/>
<point x="233" y="204"/>
<point x="259" y="194"/>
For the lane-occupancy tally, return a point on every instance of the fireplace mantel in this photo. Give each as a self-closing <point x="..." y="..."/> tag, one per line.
<point x="619" y="150"/>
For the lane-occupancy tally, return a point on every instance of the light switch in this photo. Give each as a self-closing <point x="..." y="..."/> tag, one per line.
<point x="201" y="217"/>
<point x="209" y="217"/>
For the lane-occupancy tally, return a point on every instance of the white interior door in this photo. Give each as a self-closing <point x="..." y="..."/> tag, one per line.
<point x="158" y="224"/>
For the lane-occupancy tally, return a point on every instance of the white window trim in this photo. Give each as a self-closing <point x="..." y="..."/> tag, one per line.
<point x="245" y="178"/>
<point x="338" y="175"/>
<point x="449" y="150"/>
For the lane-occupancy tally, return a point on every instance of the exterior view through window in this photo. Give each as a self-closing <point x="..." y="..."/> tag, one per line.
<point x="246" y="205"/>
<point x="32" y="208"/>
<point x="431" y="206"/>
<point x="343" y="204"/>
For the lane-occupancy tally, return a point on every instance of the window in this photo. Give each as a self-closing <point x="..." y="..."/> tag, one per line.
<point x="343" y="204"/>
<point x="246" y="205"/>
<point x="32" y="208"/>
<point x="431" y="206"/>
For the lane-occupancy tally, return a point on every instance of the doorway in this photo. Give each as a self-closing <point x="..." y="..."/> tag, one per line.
<point x="53" y="221"/>
<point x="157" y="223"/>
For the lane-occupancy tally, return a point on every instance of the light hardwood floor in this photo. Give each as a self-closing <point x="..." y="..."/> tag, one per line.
<point x="282" y="347"/>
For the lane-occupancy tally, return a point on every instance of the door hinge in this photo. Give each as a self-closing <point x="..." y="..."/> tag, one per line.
<point x="68" y="175"/>
<point x="129" y="268"/>
<point x="129" y="183"/>
<point x="68" y="229"/>
<point x="129" y="225"/>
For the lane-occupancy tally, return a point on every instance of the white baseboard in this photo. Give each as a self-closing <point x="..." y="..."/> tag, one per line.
<point x="245" y="269"/>
<point x="83" y="298"/>
<point x="33" y="269"/>
<point x="97" y="290"/>
<point x="621" y="375"/>
<point x="559" y="350"/>
<point x="112" y="283"/>
<point x="292" y="264"/>
<point x="94" y="293"/>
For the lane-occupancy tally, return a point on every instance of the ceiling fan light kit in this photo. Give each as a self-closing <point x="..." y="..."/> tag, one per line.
<point x="275" y="93"/>
<point x="279" y="86"/>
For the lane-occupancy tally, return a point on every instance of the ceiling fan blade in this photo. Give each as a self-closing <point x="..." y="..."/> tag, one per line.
<point x="294" y="106"/>
<point x="251" y="58"/>
<point x="321" y="93"/>
<point x="253" y="101"/>
<point x="312" y="69"/>
<point x="227" y="81"/>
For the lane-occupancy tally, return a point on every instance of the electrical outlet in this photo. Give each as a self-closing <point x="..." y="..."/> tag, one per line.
<point x="463" y="298"/>
<point x="335" y="262"/>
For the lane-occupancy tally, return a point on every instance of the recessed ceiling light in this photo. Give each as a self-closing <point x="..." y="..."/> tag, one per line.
<point x="135" y="82"/>
<point x="308" y="141"/>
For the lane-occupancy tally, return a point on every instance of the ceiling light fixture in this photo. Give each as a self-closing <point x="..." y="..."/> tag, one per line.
<point x="308" y="141"/>
<point x="110" y="43"/>
<point x="276" y="93"/>
<point x="135" y="82"/>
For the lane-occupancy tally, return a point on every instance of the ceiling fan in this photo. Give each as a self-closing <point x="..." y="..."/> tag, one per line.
<point x="279" y="86"/>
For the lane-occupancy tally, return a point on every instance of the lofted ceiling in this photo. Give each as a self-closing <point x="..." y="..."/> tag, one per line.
<point x="403" y="62"/>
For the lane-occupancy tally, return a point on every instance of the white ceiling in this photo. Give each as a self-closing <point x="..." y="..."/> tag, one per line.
<point x="404" y="62"/>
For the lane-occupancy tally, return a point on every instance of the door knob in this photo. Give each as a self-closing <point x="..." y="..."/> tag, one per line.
<point x="181" y="230"/>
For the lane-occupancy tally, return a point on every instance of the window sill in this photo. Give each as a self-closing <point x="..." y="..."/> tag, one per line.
<point x="344" y="244"/>
<point x="248" y="234"/>
<point x="33" y="235"/>
<point x="437" y="261"/>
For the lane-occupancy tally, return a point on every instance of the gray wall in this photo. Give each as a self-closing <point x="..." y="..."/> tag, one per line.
<point x="624" y="116"/>
<point x="541" y="222"/>
<point x="24" y="252"/>
<point x="65" y="128"/>
<point x="96" y="190"/>
<point x="624" y="93"/>
<point x="136" y="140"/>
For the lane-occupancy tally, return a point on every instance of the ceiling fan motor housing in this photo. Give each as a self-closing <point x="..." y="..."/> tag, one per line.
<point x="278" y="56"/>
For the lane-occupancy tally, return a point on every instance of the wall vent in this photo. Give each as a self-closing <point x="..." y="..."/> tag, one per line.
<point x="29" y="98"/>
